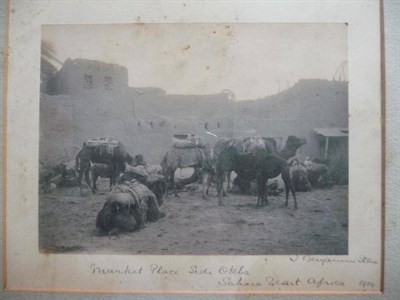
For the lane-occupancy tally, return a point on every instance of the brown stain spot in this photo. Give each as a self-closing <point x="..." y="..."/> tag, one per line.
<point x="230" y="33"/>
<point x="208" y="68"/>
<point x="33" y="13"/>
<point x="186" y="48"/>
<point x="139" y="21"/>
<point x="214" y="32"/>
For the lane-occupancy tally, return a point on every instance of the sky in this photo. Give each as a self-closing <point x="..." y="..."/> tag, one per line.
<point x="254" y="60"/>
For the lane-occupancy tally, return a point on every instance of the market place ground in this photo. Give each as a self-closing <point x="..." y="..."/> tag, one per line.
<point x="200" y="227"/>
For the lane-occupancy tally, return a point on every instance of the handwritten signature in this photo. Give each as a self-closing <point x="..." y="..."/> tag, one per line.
<point x="328" y="260"/>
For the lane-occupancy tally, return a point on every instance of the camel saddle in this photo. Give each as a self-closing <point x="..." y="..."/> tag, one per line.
<point x="134" y="188"/>
<point x="105" y="145"/>
<point x="188" y="141"/>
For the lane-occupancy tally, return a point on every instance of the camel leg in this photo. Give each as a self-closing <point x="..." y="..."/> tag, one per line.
<point x="292" y="189"/>
<point x="113" y="174"/>
<point x="94" y="179"/>
<point x="219" y="190"/>
<point x="287" y="181"/>
<point x="261" y="191"/>
<point x="294" y="197"/>
<point x="228" y="178"/>
<point x="87" y="180"/>
<point x="173" y="183"/>
<point x="224" y="193"/>
<point x="287" y="193"/>
<point x="170" y="181"/>
<point x="208" y="184"/>
<point x="79" y="179"/>
<point x="220" y="187"/>
<point x="205" y="185"/>
<point x="289" y="186"/>
<point x="265" y="185"/>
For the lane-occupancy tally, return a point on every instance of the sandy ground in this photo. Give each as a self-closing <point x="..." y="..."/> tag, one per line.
<point x="196" y="226"/>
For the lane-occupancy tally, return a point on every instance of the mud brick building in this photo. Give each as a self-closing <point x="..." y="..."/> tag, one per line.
<point x="88" y="99"/>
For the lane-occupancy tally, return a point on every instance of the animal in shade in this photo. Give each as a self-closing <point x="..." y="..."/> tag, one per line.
<point x="197" y="158"/>
<point x="255" y="159"/>
<point x="114" y="156"/>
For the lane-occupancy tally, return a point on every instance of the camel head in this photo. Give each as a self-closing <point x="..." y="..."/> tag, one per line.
<point x="293" y="142"/>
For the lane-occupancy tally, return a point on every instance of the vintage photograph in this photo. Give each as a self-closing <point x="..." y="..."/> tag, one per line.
<point x="194" y="139"/>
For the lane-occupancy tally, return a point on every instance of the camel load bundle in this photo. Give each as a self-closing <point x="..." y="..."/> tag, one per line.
<point x="187" y="141"/>
<point x="299" y="175"/>
<point x="185" y="157"/>
<point x="253" y="143"/>
<point x="138" y="192"/>
<point x="105" y="145"/>
<point x="150" y="176"/>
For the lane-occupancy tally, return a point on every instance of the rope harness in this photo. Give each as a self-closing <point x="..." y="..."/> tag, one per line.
<point x="128" y="187"/>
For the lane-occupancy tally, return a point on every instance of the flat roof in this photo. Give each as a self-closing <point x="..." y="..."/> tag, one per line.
<point x="332" y="131"/>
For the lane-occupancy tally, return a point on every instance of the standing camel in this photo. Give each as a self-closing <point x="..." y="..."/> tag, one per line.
<point x="255" y="161"/>
<point x="111" y="153"/>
